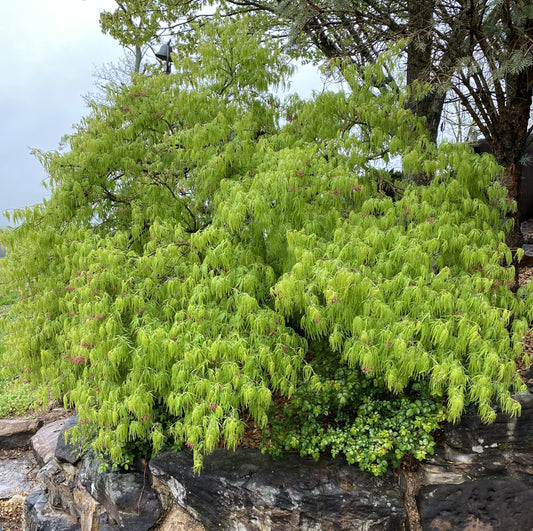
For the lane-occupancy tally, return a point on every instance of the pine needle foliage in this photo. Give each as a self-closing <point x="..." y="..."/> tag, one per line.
<point x="201" y="234"/>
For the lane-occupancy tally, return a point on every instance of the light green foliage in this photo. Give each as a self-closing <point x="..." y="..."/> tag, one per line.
<point x="200" y="233"/>
<point x="6" y="300"/>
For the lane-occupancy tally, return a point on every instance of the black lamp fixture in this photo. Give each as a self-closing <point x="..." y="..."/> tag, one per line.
<point x="164" y="55"/>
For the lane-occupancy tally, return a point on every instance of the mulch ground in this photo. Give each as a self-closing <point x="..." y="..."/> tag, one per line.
<point x="11" y="514"/>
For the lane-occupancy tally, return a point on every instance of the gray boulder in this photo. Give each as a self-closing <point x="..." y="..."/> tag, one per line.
<point x="492" y="504"/>
<point x="127" y="497"/>
<point x="66" y="451"/>
<point x="38" y="515"/>
<point x="470" y="435"/>
<point x="44" y="442"/>
<point x="249" y="490"/>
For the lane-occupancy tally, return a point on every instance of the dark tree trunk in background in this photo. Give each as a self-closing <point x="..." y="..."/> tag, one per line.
<point x="420" y="63"/>
<point x="508" y="143"/>
<point x="508" y="137"/>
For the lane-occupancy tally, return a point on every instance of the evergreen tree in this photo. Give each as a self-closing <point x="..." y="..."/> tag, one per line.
<point x="478" y="50"/>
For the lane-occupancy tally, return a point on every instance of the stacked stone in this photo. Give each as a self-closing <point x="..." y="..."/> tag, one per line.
<point x="481" y="477"/>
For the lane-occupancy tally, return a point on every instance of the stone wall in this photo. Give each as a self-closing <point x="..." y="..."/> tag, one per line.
<point x="481" y="479"/>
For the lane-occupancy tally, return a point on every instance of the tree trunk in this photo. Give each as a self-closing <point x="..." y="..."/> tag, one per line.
<point x="510" y="138"/>
<point x="138" y="59"/>
<point x="420" y="63"/>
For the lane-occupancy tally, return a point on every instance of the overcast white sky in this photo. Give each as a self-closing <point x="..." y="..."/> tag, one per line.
<point x="50" y="50"/>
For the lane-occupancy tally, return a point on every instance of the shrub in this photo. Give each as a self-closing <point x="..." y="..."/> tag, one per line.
<point x="201" y="234"/>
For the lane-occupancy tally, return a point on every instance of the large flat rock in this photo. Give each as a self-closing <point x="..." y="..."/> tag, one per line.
<point x="248" y="490"/>
<point x="16" y="475"/>
<point x="15" y="433"/>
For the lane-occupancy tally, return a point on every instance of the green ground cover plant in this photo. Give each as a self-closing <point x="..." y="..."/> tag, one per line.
<point x="212" y="254"/>
<point x="16" y="398"/>
<point x="353" y="415"/>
